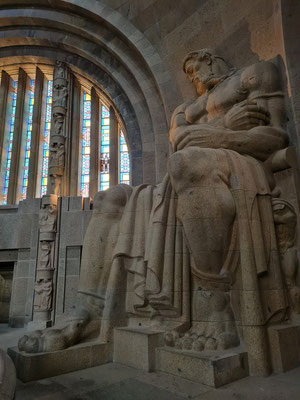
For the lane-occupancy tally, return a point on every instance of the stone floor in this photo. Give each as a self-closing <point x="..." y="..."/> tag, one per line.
<point x="118" y="382"/>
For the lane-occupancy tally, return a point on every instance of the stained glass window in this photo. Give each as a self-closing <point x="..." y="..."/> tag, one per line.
<point x="13" y="94"/>
<point x="28" y="140"/>
<point x="85" y="145"/>
<point x="124" y="160"/>
<point x="46" y="139"/>
<point x="104" y="149"/>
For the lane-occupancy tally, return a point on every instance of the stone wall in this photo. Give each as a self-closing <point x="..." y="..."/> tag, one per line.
<point x="134" y="50"/>
<point x="19" y="236"/>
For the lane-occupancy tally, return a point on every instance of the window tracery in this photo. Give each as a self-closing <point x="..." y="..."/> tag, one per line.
<point x="42" y="148"/>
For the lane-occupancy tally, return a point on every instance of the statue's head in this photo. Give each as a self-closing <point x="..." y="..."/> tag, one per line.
<point x="204" y="69"/>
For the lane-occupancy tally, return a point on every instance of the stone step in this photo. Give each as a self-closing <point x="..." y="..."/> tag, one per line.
<point x="208" y="367"/>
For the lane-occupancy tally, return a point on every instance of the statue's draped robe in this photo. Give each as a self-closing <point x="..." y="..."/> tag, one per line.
<point x="152" y="248"/>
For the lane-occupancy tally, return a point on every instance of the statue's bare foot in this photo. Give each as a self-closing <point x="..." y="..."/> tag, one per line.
<point x="52" y="339"/>
<point x="215" y="336"/>
<point x="216" y="328"/>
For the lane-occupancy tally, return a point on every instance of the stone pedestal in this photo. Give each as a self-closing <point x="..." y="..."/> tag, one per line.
<point x="206" y="367"/>
<point x="135" y="347"/>
<point x="32" y="367"/>
<point x="38" y="325"/>
<point x="285" y="345"/>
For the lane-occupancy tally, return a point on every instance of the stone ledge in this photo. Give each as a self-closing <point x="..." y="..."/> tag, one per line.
<point x="209" y="367"/>
<point x="32" y="367"/>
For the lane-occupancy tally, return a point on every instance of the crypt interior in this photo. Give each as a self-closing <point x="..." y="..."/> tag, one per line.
<point x="87" y="98"/>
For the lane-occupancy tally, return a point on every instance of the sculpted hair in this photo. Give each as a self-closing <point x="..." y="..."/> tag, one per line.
<point x="199" y="55"/>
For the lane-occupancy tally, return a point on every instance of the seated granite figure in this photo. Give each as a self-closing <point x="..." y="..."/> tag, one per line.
<point x="196" y="256"/>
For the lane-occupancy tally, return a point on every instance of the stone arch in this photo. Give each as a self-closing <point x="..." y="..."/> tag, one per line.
<point x="115" y="53"/>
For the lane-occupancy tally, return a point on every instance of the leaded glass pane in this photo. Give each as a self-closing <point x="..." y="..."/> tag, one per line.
<point x="46" y="139"/>
<point x="28" y="140"/>
<point x="13" y="94"/>
<point x="104" y="149"/>
<point x="124" y="160"/>
<point x="85" y="145"/>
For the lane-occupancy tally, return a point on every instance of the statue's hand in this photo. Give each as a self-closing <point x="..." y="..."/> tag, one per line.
<point x="199" y="135"/>
<point x="246" y="115"/>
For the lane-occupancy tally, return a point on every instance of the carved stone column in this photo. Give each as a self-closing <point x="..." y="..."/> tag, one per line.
<point x="58" y="130"/>
<point x="44" y="283"/>
<point x="74" y="137"/>
<point x="45" y="276"/>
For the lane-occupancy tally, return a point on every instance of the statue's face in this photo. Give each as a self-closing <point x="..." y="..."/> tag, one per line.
<point x="204" y="74"/>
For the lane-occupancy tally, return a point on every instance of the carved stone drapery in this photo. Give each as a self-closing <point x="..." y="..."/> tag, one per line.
<point x="43" y="289"/>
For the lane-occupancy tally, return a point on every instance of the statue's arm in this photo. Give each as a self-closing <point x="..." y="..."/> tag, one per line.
<point x="263" y="84"/>
<point x="252" y="127"/>
<point x="259" y="142"/>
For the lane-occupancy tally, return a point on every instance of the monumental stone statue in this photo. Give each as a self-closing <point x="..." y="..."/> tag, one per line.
<point x="200" y="255"/>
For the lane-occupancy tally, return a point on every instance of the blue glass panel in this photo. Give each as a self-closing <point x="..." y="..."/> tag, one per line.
<point x="28" y="139"/>
<point x="12" y="98"/>
<point x="124" y="160"/>
<point x="46" y="139"/>
<point x="85" y="145"/>
<point x="104" y="148"/>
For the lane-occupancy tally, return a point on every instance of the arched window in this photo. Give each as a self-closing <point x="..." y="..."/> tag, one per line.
<point x="106" y="168"/>
<point x="26" y="124"/>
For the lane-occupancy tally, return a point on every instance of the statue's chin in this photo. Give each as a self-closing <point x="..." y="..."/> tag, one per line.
<point x="207" y="85"/>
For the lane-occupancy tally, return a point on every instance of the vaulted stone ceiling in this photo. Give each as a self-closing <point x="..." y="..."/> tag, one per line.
<point x="133" y="49"/>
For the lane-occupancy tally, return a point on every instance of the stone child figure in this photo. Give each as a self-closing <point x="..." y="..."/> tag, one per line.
<point x="198" y="253"/>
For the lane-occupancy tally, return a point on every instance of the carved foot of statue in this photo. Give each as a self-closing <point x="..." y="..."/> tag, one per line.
<point x="213" y="327"/>
<point x="52" y="339"/>
<point x="214" y="336"/>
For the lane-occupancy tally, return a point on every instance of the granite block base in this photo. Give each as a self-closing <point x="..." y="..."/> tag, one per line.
<point x="208" y="367"/>
<point x="36" y="366"/>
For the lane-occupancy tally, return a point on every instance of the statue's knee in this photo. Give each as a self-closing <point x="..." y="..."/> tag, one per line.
<point x="114" y="198"/>
<point x="178" y="163"/>
<point x="192" y="163"/>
